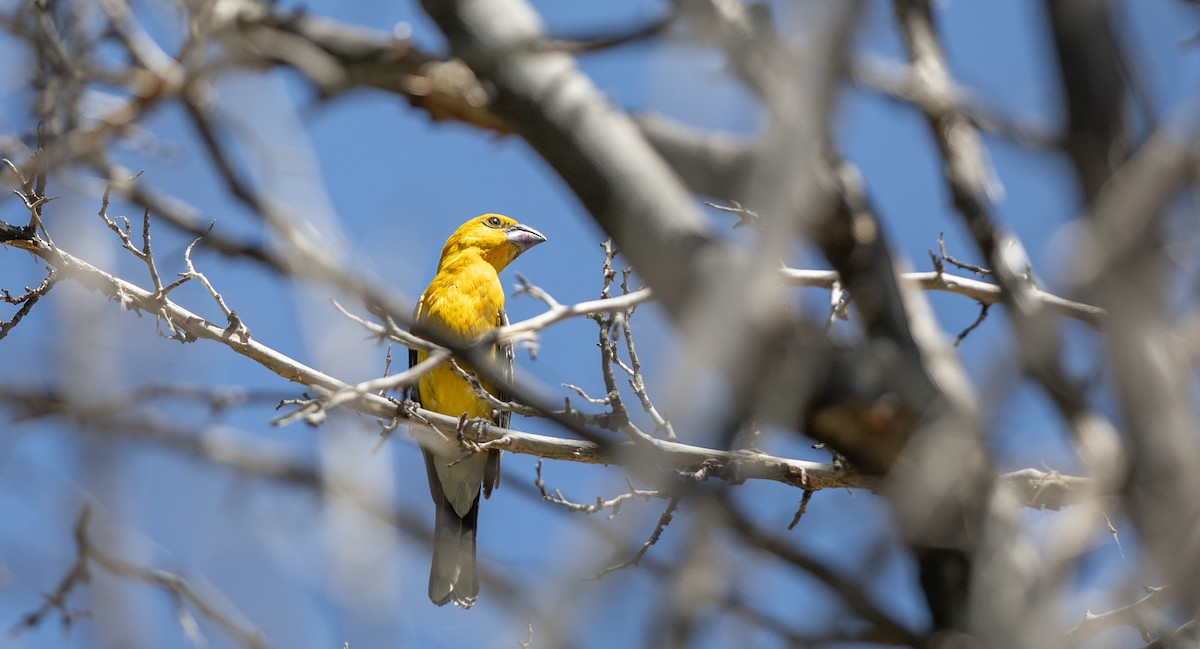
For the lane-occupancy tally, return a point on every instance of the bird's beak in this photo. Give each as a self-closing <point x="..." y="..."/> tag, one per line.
<point x="523" y="237"/>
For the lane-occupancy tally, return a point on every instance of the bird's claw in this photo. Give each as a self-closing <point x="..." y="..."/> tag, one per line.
<point x="467" y="438"/>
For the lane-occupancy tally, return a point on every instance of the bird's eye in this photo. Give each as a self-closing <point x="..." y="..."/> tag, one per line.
<point x="493" y="221"/>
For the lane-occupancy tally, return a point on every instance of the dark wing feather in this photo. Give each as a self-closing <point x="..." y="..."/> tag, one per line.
<point x="413" y="391"/>
<point x="506" y="372"/>
<point x="491" y="473"/>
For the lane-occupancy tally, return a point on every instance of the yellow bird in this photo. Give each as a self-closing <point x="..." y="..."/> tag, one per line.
<point x="463" y="302"/>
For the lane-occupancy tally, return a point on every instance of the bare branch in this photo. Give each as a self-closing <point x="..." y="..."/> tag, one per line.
<point x="385" y="384"/>
<point x="1183" y="636"/>
<point x="86" y="552"/>
<point x="983" y="312"/>
<point x="582" y="44"/>
<point x="600" y="505"/>
<point x="77" y="575"/>
<point x="982" y="292"/>
<point x="943" y="256"/>
<point x="745" y="218"/>
<point x="851" y="593"/>
<point x="801" y="508"/>
<point x="27" y="299"/>
<point x="236" y="327"/>
<point x="1130" y="615"/>
<point x="663" y="521"/>
<point x="636" y="380"/>
<point x="903" y="82"/>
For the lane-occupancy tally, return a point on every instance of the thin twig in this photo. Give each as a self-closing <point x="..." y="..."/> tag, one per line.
<point x="77" y="574"/>
<point x="27" y="299"/>
<point x="978" y="270"/>
<point x="977" y="290"/>
<point x="854" y="596"/>
<point x="608" y="352"/>
<point x="839" y="300"/>
<point x="745" y="217"/>
<point x="601" y="504"/>
<point x="801" y="509"/>
<point x="1129" y="615"/>
<point x="236" y="327"/>
<point x="178" y="588"/>
<point x="381" y="386"/>
<point x="983" y="312"/>
<point x="663" y="521"/>
<point x="597" y="42"/>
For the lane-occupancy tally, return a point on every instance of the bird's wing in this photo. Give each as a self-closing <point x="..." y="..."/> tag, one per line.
<point x="491" y="472"/>
<point x="414" y="389"/>
<point x="506" y="355"/>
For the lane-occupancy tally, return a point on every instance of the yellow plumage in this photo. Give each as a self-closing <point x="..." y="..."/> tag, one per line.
<point x="464" y="301"/>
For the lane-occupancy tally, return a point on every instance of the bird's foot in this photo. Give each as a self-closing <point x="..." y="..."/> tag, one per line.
<point x="468" y="432"/>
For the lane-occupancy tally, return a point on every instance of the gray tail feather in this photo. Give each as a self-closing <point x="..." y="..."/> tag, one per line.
<point x="454" y="577"/>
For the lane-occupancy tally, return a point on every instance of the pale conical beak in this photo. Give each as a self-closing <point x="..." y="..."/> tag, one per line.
<point x="523" y="237"/>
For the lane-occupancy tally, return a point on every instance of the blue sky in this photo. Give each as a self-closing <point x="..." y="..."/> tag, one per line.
<point x="388" y="186"/>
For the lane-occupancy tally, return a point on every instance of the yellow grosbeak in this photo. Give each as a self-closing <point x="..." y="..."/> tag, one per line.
<point x="464" y="301"/>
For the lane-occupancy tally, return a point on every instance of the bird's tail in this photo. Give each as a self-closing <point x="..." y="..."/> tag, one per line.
<point x="454" y="577"/>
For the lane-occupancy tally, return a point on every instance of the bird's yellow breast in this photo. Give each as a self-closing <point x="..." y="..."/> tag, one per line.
<point x="464" y="301"/>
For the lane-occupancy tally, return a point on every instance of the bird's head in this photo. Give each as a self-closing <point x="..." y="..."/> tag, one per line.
<point x="497" y="238"/>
